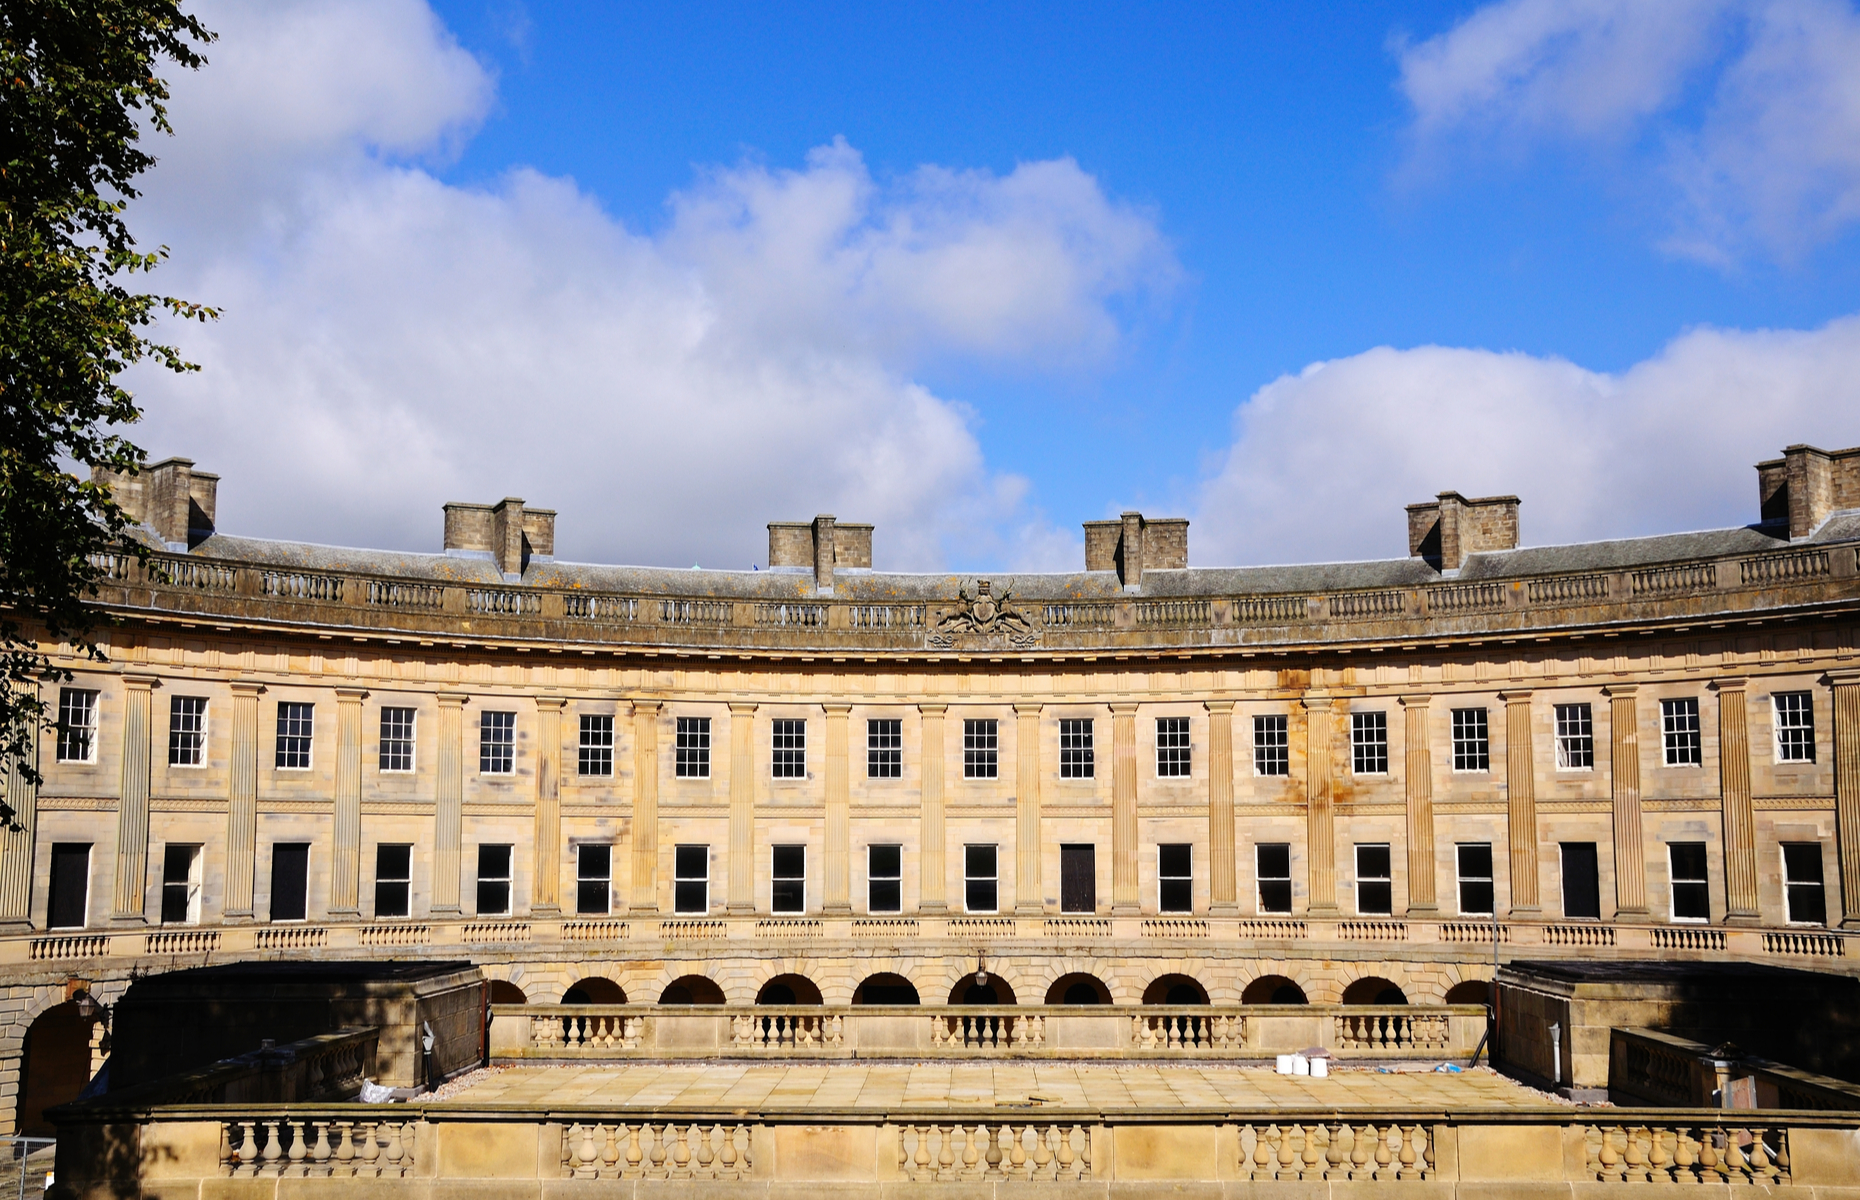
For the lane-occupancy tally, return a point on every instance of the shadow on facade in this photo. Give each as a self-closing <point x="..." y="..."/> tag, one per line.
<point x="1174" y="989"/>
<point x="789" y="989"/>
<point x="1373" y="989"/>
<point x="56" y="1066"/>
<point x="1273" y="989"/>
<point x="885" y="988"/>
<point x="593" y="990"/>
<point x="1078" y="988"/>
<point x="690" y="989"/>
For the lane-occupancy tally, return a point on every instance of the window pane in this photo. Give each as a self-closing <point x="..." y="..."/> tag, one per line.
<point x="1174" y="859"/>
<point x="396" y="739"/>
<point x="1275" y="895"/>
<point x="77" y="725"/>
<point x="1076" y="754"/>
<point x="691" y="896"/>
<point x="693" y="748"/>
<point x="1375" y="894"/>
<point x="296" y="730"/>
<point x="1172" y="749"/>
<point x="978" y="860"/>
<point x="1575" y="737"/>
<point x="979" y="895"/>
<point x="179" y="885"/>
<point x="788" y="748"/>
<point x="1275" y="860"/>
<point x="980" y="749"/>
<point x="1369" y="743"/>
<point x="789" y="881"/>
<point x="1472" y="747"/>
<point x="1273" y="871"/>
<point x="884" y="891"/>
<point x="493" y="880"/>
<point x="692" y="862"/>
<point x="1691" y="894"/>
<point x="497" y="742"/>
<point x="594" y="750"/>
<point x="1078" y="879"/>
<point x="1803" y="891"/>
<point x="69" y="899"/>
<point x="884" y="748"/>
<point x="187" y="730"/>
<point x="885" y="861"/>
<point x="691" y="879"/>
<point x="1795" y="727"/>
<point x="1176" y="895"/>
<point x="290" y="878"/>
<point x="1679" y="730"/>
<point x="1475" y="877"/>
<point x="1271" y="746"/>
<point x="393" y="887"/>
<point x="593" y="871"/>
<point x="1582" y="881"/>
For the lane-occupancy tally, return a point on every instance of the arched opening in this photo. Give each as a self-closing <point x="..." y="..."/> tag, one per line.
<point x="885" y="988"/>
<point x="1373" y="989"/>
<point x="1078" y="988"/>
<point x="789" y="989"/>
<point x="1174" y="989"/>
<point x="1273" y="989"/>
<point x="505" y="992"/>
<point x="1470" y="991"/>
<point x="56" y="1066"/>
<point x="594" y="990"/>
<point x="995" y="991"/>
<point x="691" y="989"/>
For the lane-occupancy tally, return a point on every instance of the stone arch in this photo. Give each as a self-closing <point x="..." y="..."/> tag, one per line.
<point x="505" y="992"/>
<point x="1274" y="989"/>
<point x="789" y="989"/>
<point x="1078" y="988"/>
<point x="692" y="989"/>
<point x="886" y="987"/>
<point x="54" y="1066"/>
<point x="1374" y="989"/>
<point x="595" y="989"/>
<point x="966" y="991"/>
<point x="1470" y="991"/>
<point x="1174" y="989"/>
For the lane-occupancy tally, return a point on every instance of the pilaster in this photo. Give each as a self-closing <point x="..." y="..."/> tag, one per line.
<point x="1740" y="818"/>
<point x="132" y="810"/>
<point x="1521" y="804"/>
<point x="1624" y="783"/>
<point x="931" y="897"/>
<point x="345" y="870"/>
<point x="1418" y="781"/>
<point x="1320" y="819"/>
<point x="1223" y="875"/>
<point x="836" y="892"/>
<point x="546" y="882"/>
<point x="1846" y="687"/>
<point x="17" y="837"/>
<point x="449" y="804"/>
<point x="1124" y="886"/>
<point x="1028" y="894"/>
<point x="645" y="874"/>
<point x="242" y="803"/>
<point x="742" y="808"/>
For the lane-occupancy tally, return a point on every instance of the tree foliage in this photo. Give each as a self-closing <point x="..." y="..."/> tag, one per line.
<point x="78" y="89"/>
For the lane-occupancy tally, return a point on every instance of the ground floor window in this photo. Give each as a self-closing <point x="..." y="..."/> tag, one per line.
<point x="884" y="879"/>
<point x="691" y="879"/>
<point x="1582" y="881"/>
<point x="1375" y="889"/>
<point x="788" y="889"/>
<point x="180" y="885"/>
<point x="494" y="881"/>
<point x="1475" y="878"/>
<point x="1803" y="893"/>
<point x="290" y="880"/>
<point x="594" y="878"/>
<point x="979" y="879"/>
<point x="1273" y="869"/>
<point x="1175" y="878"/>
<point x="1691" y="893"/>
<point x="68" y="906"/>
<point x="1078" y="879"/>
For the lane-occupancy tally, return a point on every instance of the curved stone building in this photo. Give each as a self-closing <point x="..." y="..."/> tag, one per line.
<point x="1143" y="782"/>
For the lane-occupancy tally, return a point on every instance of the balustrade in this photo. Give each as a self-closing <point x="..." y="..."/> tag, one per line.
<point x="302" y="585"/>
<point x="657" y="1150"/>
<point x="996" y="1150"/>
<point x="1667" y="581"/>
<point x="1005" y="1030"/>
<point x="1682" y="938"/>
<point x="1373" y="931"/>
<point x="310" y="1148"/>
<point x="182" y="941"/>
<point x="1567" y="589"/>
<point x="1311" y="1152"/>
<point x="1465" y="598"/>
<point x="1193" y="1030"/>
<point x="1362" y="605"/>
<point x="1785" y="568"/>
<point x="1684" y="1153"/>
<point x="1269" y="610"/>
<point x="787" y="1029"/>
<point x="1386" y="1029"/>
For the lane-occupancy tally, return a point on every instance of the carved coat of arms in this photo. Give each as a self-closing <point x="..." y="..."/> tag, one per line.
<point x="980" y="613"/>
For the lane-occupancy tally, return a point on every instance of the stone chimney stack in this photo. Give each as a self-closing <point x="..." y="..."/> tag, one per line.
<point x="169" y="497"/>
<point x="506" y="532"/>
<point x="1452" y="527"/>
<point x="1807" y="484"/>
<point x="822" y="546"/>
<point x="1133" y="543"/>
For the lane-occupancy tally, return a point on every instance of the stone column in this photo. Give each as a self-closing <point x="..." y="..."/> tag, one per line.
<point x="546" y="882"/>
<point x="1521" y="790"/>
<point x="1740" y="818"/>
<point x="1223" y="875"/>
<point x="449" y="804"/>
<point x="742" y="808"/>
<point x="1846" y="686"/>
<point x="17" y="837"/>
<point x="836" y="891"/>
<point x="1029" y="897"/>
<point x="1320" y="821"/>
<point x="1124" y="885"/>
<point x="1624" y="774"/>
<point x="345" y="868"/>
<point x="1418" y="779"/>
<point x="935" y="876"/>
<point x="645" y="807"/>
<point x="242" y="803"/>
<point x="132" y="810"/>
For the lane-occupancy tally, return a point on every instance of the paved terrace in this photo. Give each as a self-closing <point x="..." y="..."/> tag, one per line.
<point x="931" y="1087"/>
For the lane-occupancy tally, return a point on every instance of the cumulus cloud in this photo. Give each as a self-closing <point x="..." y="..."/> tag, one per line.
<point x="1324" y="461"/>
<point x="391" y="341"/>
<point x="1748" y="109"/>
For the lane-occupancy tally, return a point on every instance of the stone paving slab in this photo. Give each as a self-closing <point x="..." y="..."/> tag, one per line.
<point x="1121" y="1087"/>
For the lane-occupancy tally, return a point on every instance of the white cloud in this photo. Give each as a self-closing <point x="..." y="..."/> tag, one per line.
<point x="1750" y="109"/>
<point x="391" y="341"/>
<point x="1324" y="461"/>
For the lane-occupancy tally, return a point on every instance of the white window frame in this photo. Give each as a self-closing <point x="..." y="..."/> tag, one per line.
<point x="1361" y="878"/>
<point x="1673" y="883"/>
<point x="410" y="741"/>
<point x="1268" y="752"/>
<point x="82" y="733"/>
<point x="884" y="748"/>
<point x="488" y="746"/>
<point x="507" y="880"/>
<point x="1078" y="755"/>
<point x="1478" y="745"/>
<point x="981" y="748"/>
<point x="1799" y="704"/>
<point x="594" y="745"/>
<point x="188" y="884"/>
<point x="405" y="881"/>
<point x="1260" y="877"/>
<point x="280" y="738"/>
<point x="1790" y="886"/>
<point x="871" y="877"/>
<point x="1369" y="742"/>
<point x="1575" y="729"/>
<point x="774" y="851"/>
<point x="1174" y="748"/>
<point x="1461" y="879"/>
<point x="606" y="881"/>
<point x="994" y="878"/>
<point x="1189" y="878"/>
<point x="680" y="876"/>
<point x="197" y="745"/>
<point x="787" y="761"/>
<point x="1675" y="738"/>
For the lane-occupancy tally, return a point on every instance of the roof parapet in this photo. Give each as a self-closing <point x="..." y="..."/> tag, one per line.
<point x="1451" y="527"/>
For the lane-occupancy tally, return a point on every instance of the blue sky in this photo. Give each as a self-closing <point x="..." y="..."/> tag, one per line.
<point x="1598" y="254"/>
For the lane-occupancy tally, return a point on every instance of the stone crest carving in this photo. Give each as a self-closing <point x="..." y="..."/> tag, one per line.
<point x="982" y="614"/>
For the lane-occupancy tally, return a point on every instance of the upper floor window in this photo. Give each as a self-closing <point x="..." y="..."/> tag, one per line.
<point x="692" y="752"/>
<point x="1076" y="757"/>
<point x="187" y="730"/>
<point x="1369" y="743"/>
<point x="1472" y="742"/>
<point x="981" y="749"/>
<point x="296" y="734"/>
<point x="884" y="748"/>
<point x="1679" y="732"/>
<point x="594" y="746"/>
<point x="497" y="743"/>
<point x="397" y="739"/>
<point x="1575" y="738"/>
<point x="1795" y="726"/>
<point x="1172" y="750"/>
<point x="77" y="725"/>
<point x="788" y="748"/>
<point x="1271" y="746"/>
